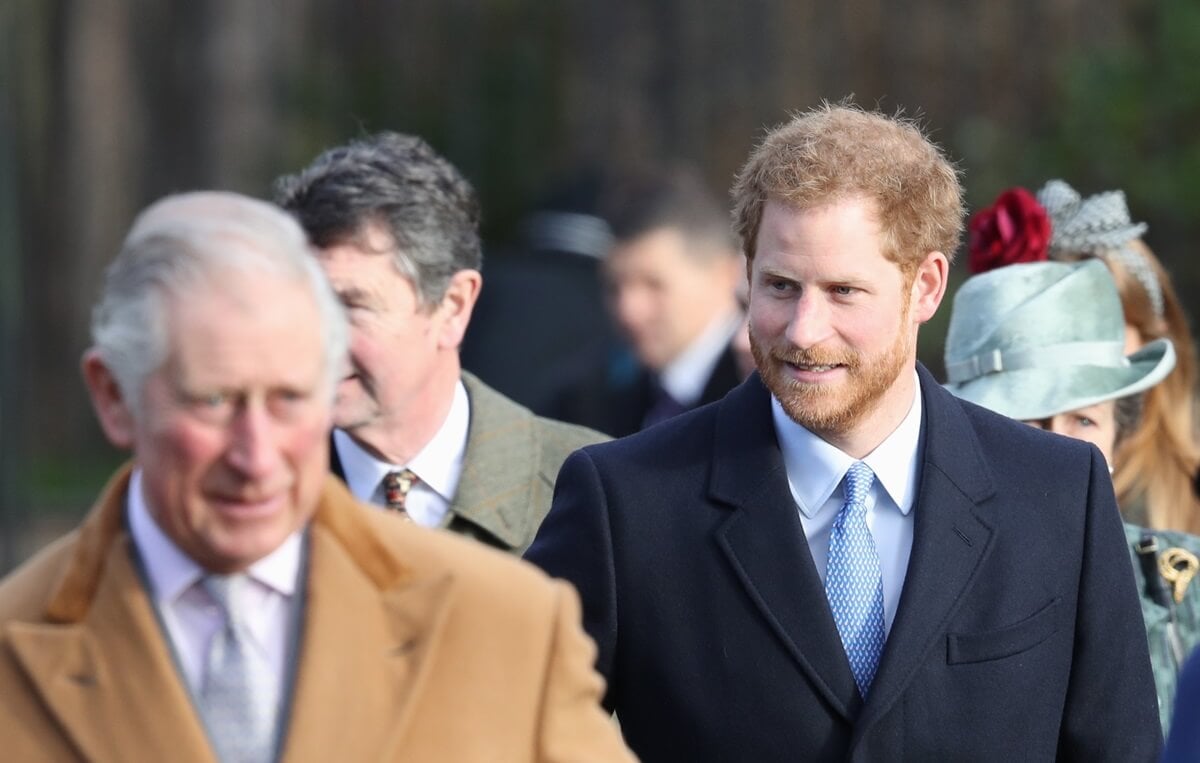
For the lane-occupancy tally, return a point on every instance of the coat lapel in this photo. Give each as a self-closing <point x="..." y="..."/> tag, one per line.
<point x="335" y="461"/>
<point x="370" y="633"/>
<point x="99" y="661"/>
<point x="724" y="377"/>
<point x="950" y="542"/>
<point x="765" y="543"/>
<point x="500" y="466"/>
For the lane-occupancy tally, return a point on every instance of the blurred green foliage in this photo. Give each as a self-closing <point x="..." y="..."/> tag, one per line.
<point x="1129" y="113"/>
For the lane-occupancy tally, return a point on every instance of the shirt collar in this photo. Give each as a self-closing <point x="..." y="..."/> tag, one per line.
<point x="685" y="378"/>
<point x="815" y="468"/>
<point x="171" y="572"/>
<point x="438" y="465"/>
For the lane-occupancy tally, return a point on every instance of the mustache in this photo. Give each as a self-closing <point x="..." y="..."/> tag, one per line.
<point x="815" y="356"/>
<point x="782" y="351"/>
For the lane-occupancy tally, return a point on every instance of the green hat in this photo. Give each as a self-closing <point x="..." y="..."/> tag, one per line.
<point x="1034" y="340"/>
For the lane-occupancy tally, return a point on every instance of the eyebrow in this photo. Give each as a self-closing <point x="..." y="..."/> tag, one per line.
<point x="849" y="279"/>
<point x="353" y="293"/>
<point x="770" y="272"/>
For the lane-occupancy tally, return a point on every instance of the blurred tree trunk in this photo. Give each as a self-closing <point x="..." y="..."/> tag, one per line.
<point x="82" y="129"/>
<point x="12" y="494"/>
<point x="241" y="44"/>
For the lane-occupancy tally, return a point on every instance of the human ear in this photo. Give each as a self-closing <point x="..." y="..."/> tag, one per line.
<point x="113" y="411"/>
<point x="928" y="286"/>
<point x="456" y="306"/>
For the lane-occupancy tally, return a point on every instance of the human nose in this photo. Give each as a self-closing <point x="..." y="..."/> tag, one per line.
<point x="809" y="324"/>
<point x="253" y="450"/>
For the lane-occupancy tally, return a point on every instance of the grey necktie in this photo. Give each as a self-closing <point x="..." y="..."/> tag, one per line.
<point x="238" y="697"/>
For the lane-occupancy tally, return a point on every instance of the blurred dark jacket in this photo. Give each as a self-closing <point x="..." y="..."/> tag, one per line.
<point x="540" y="315"/>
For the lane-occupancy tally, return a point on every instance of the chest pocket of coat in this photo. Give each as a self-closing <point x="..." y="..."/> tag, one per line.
<point x="1006" y="641"/>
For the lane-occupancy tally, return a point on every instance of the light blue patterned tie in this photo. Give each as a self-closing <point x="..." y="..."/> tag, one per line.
<point x="853" y="582"/>
<point x="238" y="697"/>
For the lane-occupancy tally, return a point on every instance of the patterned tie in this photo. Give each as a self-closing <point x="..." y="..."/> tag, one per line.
<point x="238" y="699"/>
<point x="395" y="490"/>
<point x="853" y="581"/>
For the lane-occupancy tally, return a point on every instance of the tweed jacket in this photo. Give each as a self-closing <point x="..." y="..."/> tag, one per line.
<point x="512" y="459"/>
<point x="415" y="645"/>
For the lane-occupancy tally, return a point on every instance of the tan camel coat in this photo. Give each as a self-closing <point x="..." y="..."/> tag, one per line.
<point x="417" y="646"/>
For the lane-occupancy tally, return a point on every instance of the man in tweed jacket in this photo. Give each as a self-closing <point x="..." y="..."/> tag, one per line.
<point x="396" y="227"/>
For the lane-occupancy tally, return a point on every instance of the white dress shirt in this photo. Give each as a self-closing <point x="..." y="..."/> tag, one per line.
<point x="815" y="470"/>
<point x="685" y="378"/>
<point x="191" y="618"/>
<point x="438" y="466"/>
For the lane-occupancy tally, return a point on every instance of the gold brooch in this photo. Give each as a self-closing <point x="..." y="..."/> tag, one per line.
<point x="1178" y="566"/>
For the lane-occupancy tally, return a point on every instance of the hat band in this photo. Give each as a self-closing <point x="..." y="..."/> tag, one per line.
<point x="1107" y="354"/>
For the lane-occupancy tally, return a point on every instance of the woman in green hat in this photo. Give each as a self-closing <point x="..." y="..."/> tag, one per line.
<point x="1044" y="342"/>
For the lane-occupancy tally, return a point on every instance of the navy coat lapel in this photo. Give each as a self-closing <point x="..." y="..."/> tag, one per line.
<point x="950" y="542"/>
<point x="765" y="544"/>
<point x="335" y="461"/>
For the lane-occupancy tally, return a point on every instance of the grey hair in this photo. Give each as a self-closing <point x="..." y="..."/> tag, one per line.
<point x="397" y="180"/>
<point x="190" y="239"/>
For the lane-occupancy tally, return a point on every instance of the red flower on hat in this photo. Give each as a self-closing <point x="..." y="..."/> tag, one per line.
<point x="1014" y="229"/>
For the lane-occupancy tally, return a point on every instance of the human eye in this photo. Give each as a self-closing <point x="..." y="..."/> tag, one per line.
<point x="286" y="403"/>
<point x="1084" y="421"/>
<point x="357" y="312"/>
<point x="777" y="285"/>
<point x="843" y="290"/>
<point x="211" y="405"/>
<point x="210" y="399"/>
<point x="354" y="299"/>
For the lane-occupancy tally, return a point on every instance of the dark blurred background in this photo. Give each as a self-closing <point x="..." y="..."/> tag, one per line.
<point x="106" y="105"/>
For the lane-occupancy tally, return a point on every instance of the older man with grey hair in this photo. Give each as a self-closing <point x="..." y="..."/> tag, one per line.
<point x="396" y="226"/>
<point x="226" y="598"/>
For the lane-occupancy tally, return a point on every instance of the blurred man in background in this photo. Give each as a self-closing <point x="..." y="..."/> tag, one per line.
<point x="397" y="228"/>
<point x="671" y="276"/>
<point x="226" y="598"/>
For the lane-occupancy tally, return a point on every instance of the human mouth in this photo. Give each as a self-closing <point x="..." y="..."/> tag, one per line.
<point x="253" y="506"/>
<point x="811" y="373"/>
<point x="806" y="369"/>
<point x="813" y="368"/>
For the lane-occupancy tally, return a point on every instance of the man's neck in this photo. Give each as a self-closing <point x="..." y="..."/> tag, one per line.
<point x="402" y="433"/>
<point x="686" y="376"/>
<point x="875" y="427"/>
